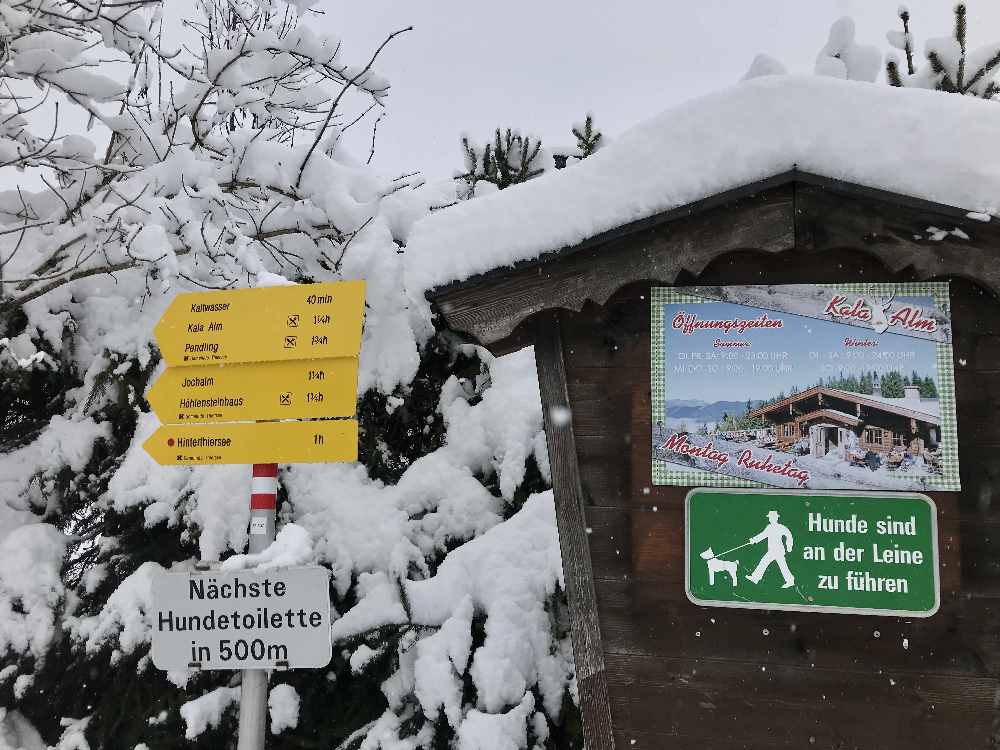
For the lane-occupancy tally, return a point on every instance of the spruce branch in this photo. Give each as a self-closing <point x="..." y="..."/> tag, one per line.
<point x="588" y="139"/>
<point x="957" y="80"/>
<point x="987" y="68"/>
<point x="945" y="84"/>
<point x="960" y="33"/>
<point x="508" y="159"/>
<point x="904" y="15"/>
<point x="892" y="73"/>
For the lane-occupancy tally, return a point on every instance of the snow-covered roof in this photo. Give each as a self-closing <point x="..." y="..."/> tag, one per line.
<point x="927" y="407"/>
<point x="916" y="142"/>
<point x="849" y="418"/>
<point x="927" y="410"/>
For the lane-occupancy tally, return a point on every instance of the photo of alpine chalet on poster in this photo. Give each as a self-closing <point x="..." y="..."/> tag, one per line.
<point x="804" y="387"/>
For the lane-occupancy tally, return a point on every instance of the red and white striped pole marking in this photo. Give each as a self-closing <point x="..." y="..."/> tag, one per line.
<point x="253" y="694"/>
<point x="264" y="487"/>
<point x="263" y="498"/>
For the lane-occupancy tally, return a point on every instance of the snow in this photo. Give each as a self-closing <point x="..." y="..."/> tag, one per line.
<point x="849" y="418"/>
<point x="207" y="711"/>
<point x="506" y="731"/>
<point x="372" y="535"/>
<point x="930" y="408"/>
<point x="17" y="733"/>
<point x="441" y="657"/>
<point x="362" y="526"/>
<point x="765" y="65"/>
<point x="212" y="498"/>
<point x="899" y="39"/>
<point x="30" y="588"/>
<point x="73" y="736"/>
<point x="842" y="57"/>
<point x="900" y="140"/>
<point x="497" y="435"/>
<point x="126" y="618"/>
<point x="362" y="657"/>
<point x="560" y="415"/>
<point x="283" y="705"/>
<point x="507" y="574"/>
<point x="28" y="474"/>
<point x="292" y="546"/>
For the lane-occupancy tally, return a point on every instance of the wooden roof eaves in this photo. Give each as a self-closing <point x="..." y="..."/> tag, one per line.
<point x="707" y="204"/>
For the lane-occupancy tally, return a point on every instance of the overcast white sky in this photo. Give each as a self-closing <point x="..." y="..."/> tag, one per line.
<point x="470" y="66"/>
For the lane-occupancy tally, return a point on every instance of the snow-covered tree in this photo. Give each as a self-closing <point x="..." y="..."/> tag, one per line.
<point x="950" y="66"/>
<point x="509" y="159"/>
<point x="140" y="162"/>
<point x="512" y="158"/>
<point x="588" y="137"/>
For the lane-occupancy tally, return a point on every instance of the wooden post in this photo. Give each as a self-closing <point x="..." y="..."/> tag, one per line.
<point x="577" y="570"/>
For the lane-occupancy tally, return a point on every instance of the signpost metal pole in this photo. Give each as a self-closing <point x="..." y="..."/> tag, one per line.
<point x="253" y="696"/>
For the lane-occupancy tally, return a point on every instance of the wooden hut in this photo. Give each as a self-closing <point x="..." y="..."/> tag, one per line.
<point x="819" y="416"/>
<point x="545" y="264"/>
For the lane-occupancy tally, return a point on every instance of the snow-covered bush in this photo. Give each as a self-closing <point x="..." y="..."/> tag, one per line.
<point x="141" y="163"/>
<point x="512" y="158"/>
<point x="950" y="66"/>
<point x="509" y="159"/>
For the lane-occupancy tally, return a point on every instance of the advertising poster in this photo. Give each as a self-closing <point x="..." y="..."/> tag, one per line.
<point x="805" y="386"/>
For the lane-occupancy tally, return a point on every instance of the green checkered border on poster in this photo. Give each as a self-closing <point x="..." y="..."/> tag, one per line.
<point x="948" y="480"/>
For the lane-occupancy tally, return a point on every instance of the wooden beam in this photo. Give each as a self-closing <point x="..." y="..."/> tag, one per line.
<point x="493" y="308"/>
<point x="577" y="570"/>
<point x="830" y="215"/>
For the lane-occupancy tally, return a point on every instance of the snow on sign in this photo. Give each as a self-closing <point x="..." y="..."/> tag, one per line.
<point x="242" y="620"/>
<point x="804" y="386"/>
<point x="854" y="553"/>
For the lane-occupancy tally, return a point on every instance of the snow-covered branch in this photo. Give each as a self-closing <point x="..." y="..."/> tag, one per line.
<point x="208" y="158"/>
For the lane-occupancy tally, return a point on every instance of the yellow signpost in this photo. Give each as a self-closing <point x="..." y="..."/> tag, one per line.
<point x="240" y="360"/>
<point x="287" y="355"/>
<point x="308" y="388"/>
<point x="314" y="441"/>
<point x="302" y="321"/>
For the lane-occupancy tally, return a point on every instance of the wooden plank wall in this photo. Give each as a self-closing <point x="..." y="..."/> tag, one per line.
<point x="690" y="678"/>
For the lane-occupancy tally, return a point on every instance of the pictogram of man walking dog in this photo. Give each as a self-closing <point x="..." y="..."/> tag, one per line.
<point x="779" y="544"/>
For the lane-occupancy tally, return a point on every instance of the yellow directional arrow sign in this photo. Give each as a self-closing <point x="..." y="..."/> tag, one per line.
<point x="303" y="321"/>
<point x="265" y="390"/>
<point x="320" y="441"/>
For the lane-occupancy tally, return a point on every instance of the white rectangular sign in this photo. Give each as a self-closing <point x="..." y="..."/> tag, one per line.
<point x="242" y="620"/>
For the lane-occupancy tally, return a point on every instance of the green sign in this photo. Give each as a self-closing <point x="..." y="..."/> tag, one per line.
<point x="854" y="553"/>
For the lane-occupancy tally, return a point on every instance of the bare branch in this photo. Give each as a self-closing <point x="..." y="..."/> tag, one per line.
<point x="333" y="107"/>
